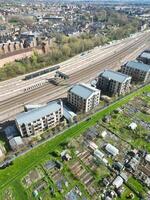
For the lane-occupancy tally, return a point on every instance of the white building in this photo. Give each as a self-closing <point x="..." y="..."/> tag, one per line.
<point x="118" y="182"/>
<point x="133" y="126"/>
<point x="98" y="154"/>
<point x="83" y="97"/>
<point x="39" y="119"/>
<point x="16" y="143"/>
<point x="147" y="158"/>
<point x="112" y="150"/>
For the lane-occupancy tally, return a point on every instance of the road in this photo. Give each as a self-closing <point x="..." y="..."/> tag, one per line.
<point x="80" y="69"/>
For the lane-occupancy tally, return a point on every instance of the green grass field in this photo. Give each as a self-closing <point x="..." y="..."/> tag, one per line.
<point x="11" y="176"/>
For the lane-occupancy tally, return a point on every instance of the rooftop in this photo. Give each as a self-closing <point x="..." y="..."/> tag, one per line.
<point x="118" y="182"/>
<point x="112" y="150"/>
<point x="83" y="90"/>
<point x="145" y="55"/>
<point x="138" y="65"/>
<point x="98" y="154"/>
<point x="16" y="141"/>
<point x="35" y="114"/>
<point x="68" y="114"/>
<point x="116" y="76"/>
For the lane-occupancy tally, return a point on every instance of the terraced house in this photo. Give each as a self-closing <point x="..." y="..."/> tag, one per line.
<point x="113" y="83"/>
<point x="83" y="97"/>
<point x="138" y="71"/>
<point x="39" y="119"/>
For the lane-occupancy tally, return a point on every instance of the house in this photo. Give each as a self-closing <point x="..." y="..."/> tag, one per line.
<point x="113" y="83"/>
<point x="133" y="126"/>
<point x="83" y="97"/>
<point x="112" y="150"/>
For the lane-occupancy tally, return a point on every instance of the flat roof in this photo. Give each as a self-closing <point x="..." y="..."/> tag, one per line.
<point x="16" y="141"/>
<point x="145" y="55"/>
<point x="83" y="90"/>
<point x="138" y="65"/>
<point x="113" y="75"/>
<point x="35" y="114"/>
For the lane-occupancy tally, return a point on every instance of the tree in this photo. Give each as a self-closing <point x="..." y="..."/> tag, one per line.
<point x="66" y="50"/>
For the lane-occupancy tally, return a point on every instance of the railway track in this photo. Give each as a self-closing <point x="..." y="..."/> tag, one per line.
<point x="18" y="101"/>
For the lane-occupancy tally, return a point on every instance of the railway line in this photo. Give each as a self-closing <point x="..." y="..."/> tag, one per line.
<point x="52" y="91"/>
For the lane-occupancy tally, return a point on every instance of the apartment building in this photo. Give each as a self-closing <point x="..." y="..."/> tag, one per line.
<point x="138" y="71"/>
<point x="144" y="57"/>
<point x="83" y="97"/>
<point x="113" y="83"/>
<point x="39" y="119"/>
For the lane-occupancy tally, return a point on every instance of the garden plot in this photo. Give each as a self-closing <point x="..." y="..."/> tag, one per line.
<point x="139" y="109"/>
<point x="72" y="195"/>
<point x="116" y="142"/>
<point x="84" y="176"/>
<point x="119" y="125"/>
<point x="59" y="180"/>
<point x="75" y="194"/>
<point x="40" y="186"/>
<point x="32" y="177"/>
<point x="8" y="194"/>
<point x="49" y="165"/>
<point x="87" y="159"/>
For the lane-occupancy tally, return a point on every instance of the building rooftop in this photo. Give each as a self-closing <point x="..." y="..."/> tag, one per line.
<point x="118" y="182"/>
<point x="68" y="114"/>
<point x="147" y="157"/>
<point x="112" y="150"/>
<point x="116" y="76"/>
<point x="98" y="154"/>
<point x="83" y="90"/>
<point x="138" y="65"/>
<point x="16" y="141"/>
<point x="145" y="55"/>
<point x="33" y="115"/>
